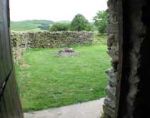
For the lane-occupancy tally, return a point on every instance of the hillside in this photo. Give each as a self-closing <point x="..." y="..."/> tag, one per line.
<point x="30" y="25"/>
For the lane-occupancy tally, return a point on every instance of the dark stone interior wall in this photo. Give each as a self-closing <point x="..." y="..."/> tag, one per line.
<point x="131" y="99"/>
<point x="133" y="36"/>
<point x="141" y="103"/>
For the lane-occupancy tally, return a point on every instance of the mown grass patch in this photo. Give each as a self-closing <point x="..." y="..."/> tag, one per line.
<point x="46" y="80"/>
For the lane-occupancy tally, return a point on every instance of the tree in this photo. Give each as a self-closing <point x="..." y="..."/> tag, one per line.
<point x="80" y="23"/>
<point x="101" y="21"/>
<point x="60" y="27"/>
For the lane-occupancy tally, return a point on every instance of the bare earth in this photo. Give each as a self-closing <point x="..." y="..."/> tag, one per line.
<point x="92" y="109"/>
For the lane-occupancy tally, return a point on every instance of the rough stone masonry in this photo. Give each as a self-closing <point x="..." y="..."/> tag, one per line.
<point x="113" y="51"/>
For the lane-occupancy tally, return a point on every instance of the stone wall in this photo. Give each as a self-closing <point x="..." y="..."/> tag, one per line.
<point x="21" y="41"/>
<point x="113" y="50"/>
<point x="51" y="39"/>
<point x="18" y="44"/>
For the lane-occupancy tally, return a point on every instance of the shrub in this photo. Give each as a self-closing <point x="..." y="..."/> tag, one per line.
<point x="60" y="27"/>
<point x="80" y="23"/>
<point x="100" y="21"/>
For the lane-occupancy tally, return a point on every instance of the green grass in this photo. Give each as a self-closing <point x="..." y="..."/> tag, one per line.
<point x="46" y="80"/>
<point x="100" y="39"/>
<point x="29" y="25"/>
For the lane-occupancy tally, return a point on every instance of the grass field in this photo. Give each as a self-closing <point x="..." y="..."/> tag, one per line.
<point x="46" y="80"/>
<point x="29" y="25"/>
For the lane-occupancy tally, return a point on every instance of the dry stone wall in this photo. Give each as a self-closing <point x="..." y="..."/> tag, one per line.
<point x="51" y="39"/>
<point x="21" y="41"/>
<point x="18" y="44"/>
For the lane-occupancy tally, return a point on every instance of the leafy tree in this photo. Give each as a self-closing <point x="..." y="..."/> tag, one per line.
<point x="60" y="27"/>
<point x="100" y="21"/>
<point x="80" y="23"/>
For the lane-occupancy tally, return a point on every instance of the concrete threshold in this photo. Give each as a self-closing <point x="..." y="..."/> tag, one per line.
<point x="91" y="109"/>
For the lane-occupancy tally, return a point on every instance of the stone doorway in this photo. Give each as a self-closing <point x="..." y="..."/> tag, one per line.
<point x="133" y="69"/>
<point x="109" y="51"/>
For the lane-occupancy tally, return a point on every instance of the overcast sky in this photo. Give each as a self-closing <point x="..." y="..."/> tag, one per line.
<point x="55" y="10"/>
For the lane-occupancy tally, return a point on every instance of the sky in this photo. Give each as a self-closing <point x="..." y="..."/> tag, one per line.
<point x="55" y="10"/>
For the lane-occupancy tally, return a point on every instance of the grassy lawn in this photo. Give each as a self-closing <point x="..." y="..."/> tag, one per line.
<point x="46" y="80"/>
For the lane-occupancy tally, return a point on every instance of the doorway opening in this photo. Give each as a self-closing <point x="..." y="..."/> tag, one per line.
<point x="60" y="63"/>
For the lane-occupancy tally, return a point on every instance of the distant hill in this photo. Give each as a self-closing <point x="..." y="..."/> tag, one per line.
<point x="30" y="25"/>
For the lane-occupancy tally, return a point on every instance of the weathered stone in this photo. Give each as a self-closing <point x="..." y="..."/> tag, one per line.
<point x="110" y="40"/>
<point x="21" y="41"/>
<point x="112" y="77"/>
<point x="110" y="103"/>
<point x="111" y="91"/>
<point x="113" y="51"/>
<point x="109" y="112"/>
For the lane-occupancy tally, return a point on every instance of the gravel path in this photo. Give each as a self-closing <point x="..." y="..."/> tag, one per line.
<point x="92" y="109"/>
